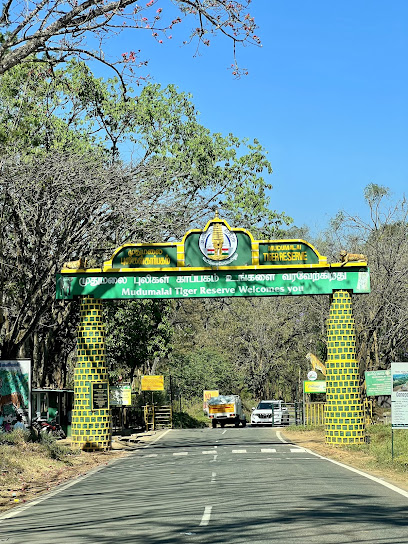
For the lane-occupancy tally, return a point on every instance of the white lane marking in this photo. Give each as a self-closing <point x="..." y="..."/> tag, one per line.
<point x="224" y="431"/>
<point x="215" y="458"/>
<point x="209" y="452"/>
<point x="268" y="450"/>
<point x="20" y="509"/>
<point x="278" y="434"/>
<point x="151" y="455"/>
<point x="206" y="516"/>
<point x="239" y="451"/>
<point x="157" y="439"/>
<point x="294" y="450"/>
<point x="361" y="473"/>
<point x="214" y="474"/>
<point x="181" y="453"/>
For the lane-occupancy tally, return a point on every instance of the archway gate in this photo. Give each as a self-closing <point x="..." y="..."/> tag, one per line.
<point x="217" y="261"/>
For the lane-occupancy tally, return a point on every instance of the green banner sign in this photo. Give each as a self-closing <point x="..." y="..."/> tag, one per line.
<point x="378" y="382"/>
<point x="211" y="284"/>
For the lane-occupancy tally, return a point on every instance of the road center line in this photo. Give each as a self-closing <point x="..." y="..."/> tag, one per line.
<point x="206" y="516"/>
<point x="214" y="474"/>
<point x="224" y="431"/>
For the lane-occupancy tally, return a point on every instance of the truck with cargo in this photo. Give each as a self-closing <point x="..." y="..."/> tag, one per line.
<point x="226" y="409"/>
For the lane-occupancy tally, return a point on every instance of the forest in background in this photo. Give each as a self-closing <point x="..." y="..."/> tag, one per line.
<point x="66" y="191"/>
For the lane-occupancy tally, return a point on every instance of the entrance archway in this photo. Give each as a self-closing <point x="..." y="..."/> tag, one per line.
<point x="217" y="261"/>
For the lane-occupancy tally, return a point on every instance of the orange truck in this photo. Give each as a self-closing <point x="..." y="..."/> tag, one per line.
<point x="226" y="409"/>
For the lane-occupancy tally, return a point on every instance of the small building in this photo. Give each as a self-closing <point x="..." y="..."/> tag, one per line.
<point x="53" y="404"/>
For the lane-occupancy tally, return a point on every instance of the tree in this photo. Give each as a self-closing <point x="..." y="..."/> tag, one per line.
<point x="68" y="195"/>
<point x="60" y="30"/>
<point x="381" y="316"/>
<point x="138" y="336"/>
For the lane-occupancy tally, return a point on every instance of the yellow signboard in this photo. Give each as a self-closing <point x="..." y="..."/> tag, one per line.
<point x="152" y="383"/>
<point x="221" y="408"/>
<point x="318" y="386"/>
<point x="207" y="396"/>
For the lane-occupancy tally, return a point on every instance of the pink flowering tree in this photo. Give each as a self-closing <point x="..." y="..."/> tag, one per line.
<point x="57" y="30"/>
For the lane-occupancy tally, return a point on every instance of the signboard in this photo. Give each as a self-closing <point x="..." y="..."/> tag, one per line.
<point x="152" y="383"/>
<point x="209" y="284"/>
<point x="399" y="395"/>
<point x="287" y="252"/>
<point x="15" y="391"/>
<point x="318" y="386"/>
<point x="144" y="256"/>
<point x="120" y="395"/>
<point x="208" y="394"/>
<point x="99" y="396"/>
<point x="378" y="382"/>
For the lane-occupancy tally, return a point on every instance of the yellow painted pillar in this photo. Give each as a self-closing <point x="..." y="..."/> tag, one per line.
<point x="91" y="416"/>
<point x="344" y="415"/>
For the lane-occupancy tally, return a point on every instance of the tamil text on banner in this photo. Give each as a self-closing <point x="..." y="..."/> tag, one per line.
<point x="152" y="383"/>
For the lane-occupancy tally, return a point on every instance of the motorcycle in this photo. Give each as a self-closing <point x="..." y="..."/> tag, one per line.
<point x="43" y="426"/>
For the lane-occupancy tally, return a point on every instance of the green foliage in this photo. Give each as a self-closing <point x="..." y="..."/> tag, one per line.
<point x="203" y="368"/>
<point x="138" y="333"/>
<point x="16" y="437"/>
<point x="54" y="449"/>
<point x="183" y="420"/>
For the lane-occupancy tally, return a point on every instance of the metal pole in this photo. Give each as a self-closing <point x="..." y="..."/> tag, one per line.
<point x="304" y="419"/>
<point x="392" y="443"/>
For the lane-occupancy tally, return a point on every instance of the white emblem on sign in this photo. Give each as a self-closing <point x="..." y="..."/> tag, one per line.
<point x="312" y="375"/>
<point x="218" y="244"/>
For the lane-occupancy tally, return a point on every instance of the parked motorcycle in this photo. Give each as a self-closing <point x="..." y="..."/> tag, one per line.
<point x="43" y="426"/>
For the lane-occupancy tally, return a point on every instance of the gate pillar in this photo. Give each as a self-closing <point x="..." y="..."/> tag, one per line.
<point x="344" y="415"/>
<point x="91" y="419"/>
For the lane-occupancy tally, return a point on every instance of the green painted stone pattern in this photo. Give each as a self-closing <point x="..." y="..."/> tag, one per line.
<point x="91" y="429"/>
<point x="344" y="414"/>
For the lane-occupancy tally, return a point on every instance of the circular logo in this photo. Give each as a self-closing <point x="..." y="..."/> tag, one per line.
<point x="312" y="375"/>
<point x="218" y="244"/>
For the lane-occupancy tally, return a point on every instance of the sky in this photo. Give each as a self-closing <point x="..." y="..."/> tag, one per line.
<point x="326" y="95"/>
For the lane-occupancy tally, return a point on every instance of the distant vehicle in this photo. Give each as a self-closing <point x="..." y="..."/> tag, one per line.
<point x="270" y="412"/>
<point x="226" y="409"/>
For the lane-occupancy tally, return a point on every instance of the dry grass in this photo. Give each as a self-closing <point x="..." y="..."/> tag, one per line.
<point x="27" y="469"/>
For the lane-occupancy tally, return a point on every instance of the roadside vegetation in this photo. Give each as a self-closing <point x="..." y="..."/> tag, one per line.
<point x="30" y="467"/>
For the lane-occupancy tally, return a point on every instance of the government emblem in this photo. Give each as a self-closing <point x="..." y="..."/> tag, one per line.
<point x="218" y="244"/>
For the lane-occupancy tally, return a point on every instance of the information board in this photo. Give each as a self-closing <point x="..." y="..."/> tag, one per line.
<point x="399" y="395"/>
<point x="152" y="383"/>
<point x="120" y="395"/>
<point x="100" y="395"/>
<point x="378" y="382"/>
<point x="318" y="386"/>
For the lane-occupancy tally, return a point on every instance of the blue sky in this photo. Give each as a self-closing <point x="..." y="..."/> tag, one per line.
<point x="326" y="95"/>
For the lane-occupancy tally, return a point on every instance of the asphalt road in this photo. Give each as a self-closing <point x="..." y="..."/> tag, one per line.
<point x="216" y="486"/>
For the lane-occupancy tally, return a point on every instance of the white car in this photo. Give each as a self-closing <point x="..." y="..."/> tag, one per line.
<point x="262" y="414"/>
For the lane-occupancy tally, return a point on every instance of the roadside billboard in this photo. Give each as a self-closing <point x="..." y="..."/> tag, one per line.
<point x="399" y="395"/>
<point x="207" y="395"/>
<point x="120" y="395"/>
<point x="15" y="391"/>
<point x="378" y="383"/>
<point x="152" y="383"/>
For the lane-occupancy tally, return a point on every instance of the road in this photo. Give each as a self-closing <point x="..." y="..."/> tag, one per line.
<point x="216" y="486"/>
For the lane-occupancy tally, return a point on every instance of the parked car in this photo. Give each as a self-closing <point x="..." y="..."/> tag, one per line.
<point x="270" y="412"/>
